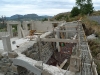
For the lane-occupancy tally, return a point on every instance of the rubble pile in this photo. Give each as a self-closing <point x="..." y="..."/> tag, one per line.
<point x="6" y="65"/>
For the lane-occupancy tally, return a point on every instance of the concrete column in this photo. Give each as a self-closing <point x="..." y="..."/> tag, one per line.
<point x="57" y="43"/>
<point x="33" y="25"/>
<point x="9" y="27"/>
<point x="11" y="31"/>
<point x="19" y="30"/>
<point x="6" y="43"/>
<point x="39" y="47"/>
<point x="25" y="25"/>
<point x="66" y="34"/>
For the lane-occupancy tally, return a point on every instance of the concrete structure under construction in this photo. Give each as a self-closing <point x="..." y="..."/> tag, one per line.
<point x="46" y="48"/>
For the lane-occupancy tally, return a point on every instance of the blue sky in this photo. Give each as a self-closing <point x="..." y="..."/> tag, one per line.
<point x="40" y="7"/>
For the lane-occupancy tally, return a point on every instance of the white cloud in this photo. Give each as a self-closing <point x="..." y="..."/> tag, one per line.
<point x="40" y="7"/>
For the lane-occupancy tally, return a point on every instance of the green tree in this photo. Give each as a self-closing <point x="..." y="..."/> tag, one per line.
<point x="75" y="11"/>
<point x="86" y="6"/>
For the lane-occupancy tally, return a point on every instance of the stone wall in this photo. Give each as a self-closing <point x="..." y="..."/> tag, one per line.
<point x="46" y="51"/>
<point x="32" y="52"/>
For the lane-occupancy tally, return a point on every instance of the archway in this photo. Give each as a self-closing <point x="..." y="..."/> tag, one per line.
<point x="27" y="65"/>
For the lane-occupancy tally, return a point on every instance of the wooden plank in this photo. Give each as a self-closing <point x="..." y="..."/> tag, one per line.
<point x="62" y="64"/>
<point x="38" y="33"/>
<point x="59" y="40"/>
<point x="75" y="37"/>
<point x="71" y="26"/>
<point x="65" y="30"/>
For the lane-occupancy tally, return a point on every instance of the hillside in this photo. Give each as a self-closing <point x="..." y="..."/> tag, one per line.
<point x="66" y="16"/>
<point x="61" y="16"/>
<point x="27" y="17"/>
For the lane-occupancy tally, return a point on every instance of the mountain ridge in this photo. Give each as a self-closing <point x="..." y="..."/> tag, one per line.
<point x="27" y="17"/>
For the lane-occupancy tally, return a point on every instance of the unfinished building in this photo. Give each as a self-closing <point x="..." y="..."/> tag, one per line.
<point x="46" y="48"/>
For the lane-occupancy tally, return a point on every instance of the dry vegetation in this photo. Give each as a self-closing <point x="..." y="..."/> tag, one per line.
<point x="96" y="13"/>
<point x="91" y="24"/>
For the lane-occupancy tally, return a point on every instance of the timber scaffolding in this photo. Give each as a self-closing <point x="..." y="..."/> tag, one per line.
<point x="76" y="50"/>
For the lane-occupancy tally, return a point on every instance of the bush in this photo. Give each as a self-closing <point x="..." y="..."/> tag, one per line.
<point x="75" y="12"/>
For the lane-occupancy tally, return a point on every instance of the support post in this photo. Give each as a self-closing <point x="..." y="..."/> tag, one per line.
<point x="57" y="43"/>
<point x="39" y="47"/>
<point x="6" y="43"/>
<point x="19" y="30"/>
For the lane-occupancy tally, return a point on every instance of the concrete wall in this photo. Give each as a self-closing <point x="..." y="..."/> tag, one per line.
<point x="41" y="26"/>
<point x="25" y="25"/>
<point x="3" y="34"/>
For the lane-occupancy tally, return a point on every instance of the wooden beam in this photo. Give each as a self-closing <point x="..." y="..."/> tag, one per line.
<point x="75" y="37"/>
<point x="65" y="30"/>
<point x="71" y="26"/>
<point x="63" y="63"/>
<point x="59" y="40"/>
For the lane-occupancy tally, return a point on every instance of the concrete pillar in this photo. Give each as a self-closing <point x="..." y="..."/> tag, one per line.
<point x="57" y="43"/>
<point x="66" y="34"/>
<point x="33" y="25"/>
<point x="19" y="30"/>
<point x="25" y="25"/>
<point x="39" y="47"/>
<point x="9" y="29"/>
<point x="6" y="43"/>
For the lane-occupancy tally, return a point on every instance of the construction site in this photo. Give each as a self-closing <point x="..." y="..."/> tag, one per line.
<point x="45" y="48"/>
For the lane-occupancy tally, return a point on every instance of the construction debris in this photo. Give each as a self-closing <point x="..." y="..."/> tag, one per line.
<point x="47" y="53"/>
